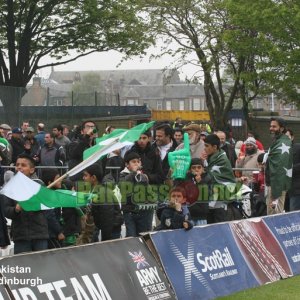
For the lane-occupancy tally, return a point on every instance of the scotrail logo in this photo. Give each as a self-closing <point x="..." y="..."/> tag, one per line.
<point x="189" y="266"/>
<point x="139" y="259"/>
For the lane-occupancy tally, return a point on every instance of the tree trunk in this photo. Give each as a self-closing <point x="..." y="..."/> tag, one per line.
<point x="11" y="99"/>
<point x="246" y="114"/>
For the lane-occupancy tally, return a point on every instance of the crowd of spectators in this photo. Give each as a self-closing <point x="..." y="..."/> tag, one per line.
<point x="144" y="166"/>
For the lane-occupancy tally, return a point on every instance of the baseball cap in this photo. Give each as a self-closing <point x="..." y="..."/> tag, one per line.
<point x="17" y="130"/>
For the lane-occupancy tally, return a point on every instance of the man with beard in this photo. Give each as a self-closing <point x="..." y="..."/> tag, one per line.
<point x="51" y="154"/>
<point x="60" y="138"/>
<point x="227" y="148"/>
<point x="249" y="161"/>
<point x="82" y="142"/>
<point x="279" y="160"/>
<point x="196" y="143"/>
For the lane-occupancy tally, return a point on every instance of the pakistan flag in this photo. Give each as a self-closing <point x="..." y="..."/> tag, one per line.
<point x="280" y="164"/>
<point x="220" y="170"/>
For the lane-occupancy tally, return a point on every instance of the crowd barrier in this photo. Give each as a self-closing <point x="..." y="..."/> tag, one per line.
<point x="217" y="260"/>
<point x="203" y="263"/>
<point x="121" y="269"/>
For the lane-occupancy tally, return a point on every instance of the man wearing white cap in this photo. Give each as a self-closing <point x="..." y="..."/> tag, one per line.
<point x="249" y="161"/>
<point x="4" y="129"/>
<point x="196" y="143"/>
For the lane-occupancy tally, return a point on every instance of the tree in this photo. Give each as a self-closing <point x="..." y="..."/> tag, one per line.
<point x="277" y="28"/>
<point x="33" y="29"/>
<point x="236" y="36"/>
<point x="198" y="28"/>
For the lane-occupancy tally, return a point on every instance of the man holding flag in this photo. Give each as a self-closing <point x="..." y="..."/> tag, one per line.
<point x="33" y="197"/>
<point x="279" y="166"/>
<point x="29" y="228"/>
<point x="220" y="171"/>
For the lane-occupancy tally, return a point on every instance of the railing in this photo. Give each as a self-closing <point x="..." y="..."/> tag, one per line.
<point x="64" y="169"/>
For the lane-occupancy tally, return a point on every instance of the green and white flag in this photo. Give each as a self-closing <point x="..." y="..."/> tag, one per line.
<point x="33" y="197"/>
<point x="109" y="143"/>
<point x="219" y="168"/>
<point x="223" y="180"/>
<point x="280" y="163"/>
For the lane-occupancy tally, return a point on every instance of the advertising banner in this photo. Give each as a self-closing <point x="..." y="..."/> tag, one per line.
<point x="286" y="229"/>
<point x="203" y="263"/>
<point x="121" y="269"/>
<point x="261" y="250"/>
<point x="4" y="293"/>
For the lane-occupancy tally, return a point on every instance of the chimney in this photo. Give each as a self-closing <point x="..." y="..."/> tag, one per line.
<point x="36" y="81"/>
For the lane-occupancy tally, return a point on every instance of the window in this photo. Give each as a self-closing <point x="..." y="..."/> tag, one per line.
<point x="168" y="105"/>
<point x="236" y="122"/>
<point x="196" y="104"/>
<point x="258" y="103"/>
<point x="132" y="102"/>
<point x="159" y="105"/>
<point x="202" y="104"/>
<point x="58" y="102"/>
<point x="181" y="105"/>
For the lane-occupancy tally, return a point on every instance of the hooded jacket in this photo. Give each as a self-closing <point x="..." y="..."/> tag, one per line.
<point x="151" y="162"/>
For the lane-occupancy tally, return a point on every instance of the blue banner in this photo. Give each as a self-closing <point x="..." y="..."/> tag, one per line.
<point x="203" y="263"/>
<point x="286" y="229"/>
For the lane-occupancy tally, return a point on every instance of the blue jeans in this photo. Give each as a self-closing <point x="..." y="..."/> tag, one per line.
<point x="138" y="222"/>
<point x="295" y="202"/>
<point x="197" y="222"/>
<point x="29" y="246"/>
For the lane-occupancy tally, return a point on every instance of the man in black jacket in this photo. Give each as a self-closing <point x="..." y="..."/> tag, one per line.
<point x="164" y="143"/>
<point x="152" y="166"/>
<point x="102" y="210"/>
<point x="17" y="144"/>
<point x="29" y="228"/>
<point x="294" y="192"/>
<point x="4" y="238"/>
<point x="83" y="141"/>
<point x="227" y="148"/>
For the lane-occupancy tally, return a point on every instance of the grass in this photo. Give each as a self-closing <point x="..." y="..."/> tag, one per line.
<point x="283" y="289"/>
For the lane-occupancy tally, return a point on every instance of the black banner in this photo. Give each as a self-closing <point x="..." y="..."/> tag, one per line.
<point x="4" y="292"/>
<point x="121" y="269"/>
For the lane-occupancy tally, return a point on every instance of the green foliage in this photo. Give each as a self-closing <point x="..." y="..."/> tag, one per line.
<point x="33" y="29"/>
<point x="275" y="28"/>
<point x="255" y="42"/>
<point x="198" y="28"/>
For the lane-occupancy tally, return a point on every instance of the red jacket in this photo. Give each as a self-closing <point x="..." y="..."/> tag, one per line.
<point x="259" y="146"/>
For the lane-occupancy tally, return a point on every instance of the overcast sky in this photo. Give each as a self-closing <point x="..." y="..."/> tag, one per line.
<point x="110" y="60"/>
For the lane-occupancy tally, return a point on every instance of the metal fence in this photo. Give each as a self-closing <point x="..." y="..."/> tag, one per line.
<point x="64" y="169"/>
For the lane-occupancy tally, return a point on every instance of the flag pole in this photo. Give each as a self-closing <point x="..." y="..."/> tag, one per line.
<point x="57" y="180"/>
<point x="85" y="163"/>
